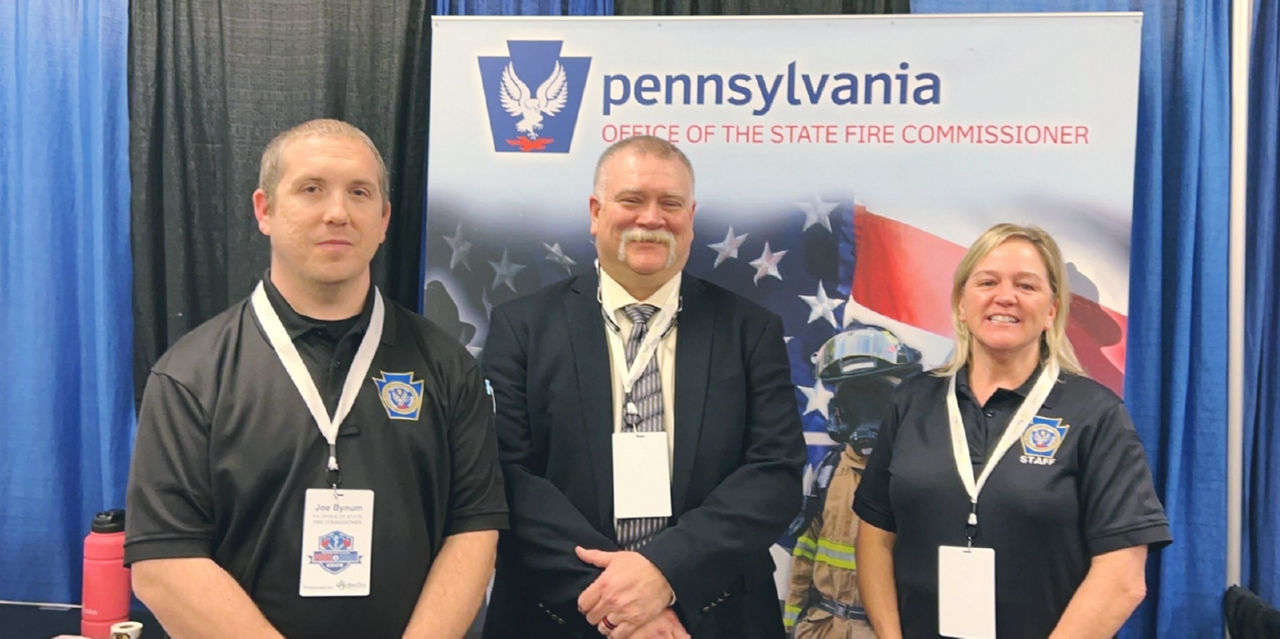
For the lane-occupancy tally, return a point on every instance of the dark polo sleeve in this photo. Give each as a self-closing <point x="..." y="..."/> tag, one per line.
<point x="1119" y="505"/>
<point x="169" y="508"/>
<point x="871" y="501"/>
<point x="477" y="499"/>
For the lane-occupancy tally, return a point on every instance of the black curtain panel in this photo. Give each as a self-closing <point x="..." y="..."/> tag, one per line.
<point x="210" y="83"/>
<point x="757" y="7"/>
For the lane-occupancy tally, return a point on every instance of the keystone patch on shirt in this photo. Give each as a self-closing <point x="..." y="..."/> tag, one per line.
<point x="1041" y="439"/>
<point x="401" y="395"/>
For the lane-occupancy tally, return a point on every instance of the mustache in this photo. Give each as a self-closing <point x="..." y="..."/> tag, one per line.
<point x="637" y="234"/>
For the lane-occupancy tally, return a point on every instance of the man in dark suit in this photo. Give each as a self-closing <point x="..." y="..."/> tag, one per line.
<point x="587" y="370"/>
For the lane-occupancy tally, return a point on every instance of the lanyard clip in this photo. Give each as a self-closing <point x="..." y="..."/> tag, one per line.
<point x="630" y="416"/>
<point x="971" y="525"/>
<point x="332" y="472"/>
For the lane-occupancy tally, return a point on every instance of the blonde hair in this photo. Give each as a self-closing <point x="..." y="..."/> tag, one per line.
<point x="1054" y="344"/>
<point x="269" y="169"/>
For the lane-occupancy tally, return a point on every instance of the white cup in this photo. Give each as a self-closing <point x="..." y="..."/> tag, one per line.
<point x="126" y="630"/>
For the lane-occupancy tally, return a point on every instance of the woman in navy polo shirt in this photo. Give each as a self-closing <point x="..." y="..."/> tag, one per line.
<point x="1008" y="494"/>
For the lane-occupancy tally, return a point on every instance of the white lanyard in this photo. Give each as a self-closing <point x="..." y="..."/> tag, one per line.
<point x="664" y="318"/>
<point x="960" y="444"/>
<point x="288" y="354"/>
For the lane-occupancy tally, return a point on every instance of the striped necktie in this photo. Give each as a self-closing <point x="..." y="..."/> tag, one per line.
<point x="646" y="396"/>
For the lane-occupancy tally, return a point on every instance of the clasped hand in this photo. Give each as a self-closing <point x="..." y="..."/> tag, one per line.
<point x="629" y="598"/>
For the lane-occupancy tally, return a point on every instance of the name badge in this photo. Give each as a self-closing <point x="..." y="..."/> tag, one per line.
<point x="641" y="475"/>
<point x="337" y="543"/>
<point x="967" y="592"/>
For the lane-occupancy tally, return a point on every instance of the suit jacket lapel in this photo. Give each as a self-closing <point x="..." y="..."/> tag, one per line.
<point x="695" y="331"/>
<point x="591" y="363"/>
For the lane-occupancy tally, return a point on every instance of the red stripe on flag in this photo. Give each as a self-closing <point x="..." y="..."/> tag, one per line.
<point x="1097" y="334"/>
<point x="903" y="272"/>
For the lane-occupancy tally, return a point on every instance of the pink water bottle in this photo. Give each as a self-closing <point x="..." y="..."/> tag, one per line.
<point x="107" y="590"/>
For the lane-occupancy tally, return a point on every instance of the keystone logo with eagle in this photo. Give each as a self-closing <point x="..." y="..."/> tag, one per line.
<point x="524" y="121"/>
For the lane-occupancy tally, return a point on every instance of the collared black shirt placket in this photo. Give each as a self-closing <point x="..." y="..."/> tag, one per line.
<point x="326" y="347"/>
<point x="985" y="423"/>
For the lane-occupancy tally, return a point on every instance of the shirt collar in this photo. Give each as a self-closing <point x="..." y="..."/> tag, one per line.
<point x="962" y="382"/>
<point x="296" y="325"/>
<point x="613" y="297"/>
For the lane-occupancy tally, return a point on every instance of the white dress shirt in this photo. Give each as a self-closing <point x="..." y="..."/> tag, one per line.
<point x="614" y="298"/>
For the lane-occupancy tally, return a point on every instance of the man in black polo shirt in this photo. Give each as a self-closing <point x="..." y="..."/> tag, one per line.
<point x="315" y="461"/>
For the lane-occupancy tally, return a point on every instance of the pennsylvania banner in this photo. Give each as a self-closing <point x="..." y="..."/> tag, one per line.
<point x="843" y="165"/>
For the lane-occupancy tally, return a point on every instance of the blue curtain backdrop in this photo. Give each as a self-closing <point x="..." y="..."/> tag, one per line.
<point x="66" y="400"/>
<point x="1261" y="566"/>
<point x="1176" y="374"/>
